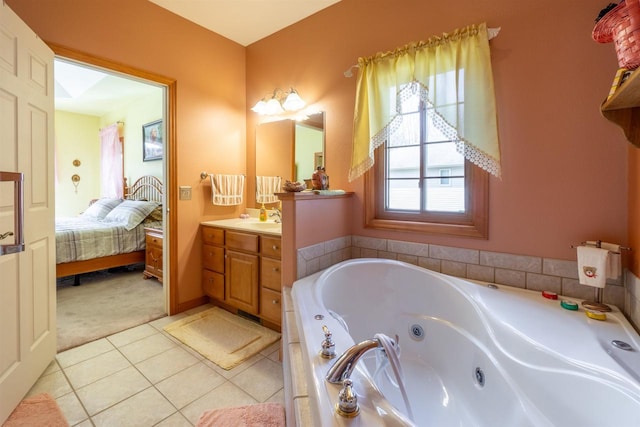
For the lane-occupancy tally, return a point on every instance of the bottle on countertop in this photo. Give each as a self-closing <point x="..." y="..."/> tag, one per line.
<point x="320" y="179"/>
<point x="263" y="213"/>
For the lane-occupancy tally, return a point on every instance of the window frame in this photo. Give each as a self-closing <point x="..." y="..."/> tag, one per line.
<point x="473" y="223"/>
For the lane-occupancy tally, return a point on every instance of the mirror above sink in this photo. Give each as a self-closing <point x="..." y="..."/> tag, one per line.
<point x="290" y="149"/>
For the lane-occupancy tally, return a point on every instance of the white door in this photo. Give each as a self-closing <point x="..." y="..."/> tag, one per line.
<point x="27" y="279"/>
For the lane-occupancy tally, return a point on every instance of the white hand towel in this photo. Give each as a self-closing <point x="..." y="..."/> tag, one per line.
<point x="614" y="262"/>
<point x="265" y="187"/>
<point x="226" y="190"/>
<point x="592" y="266"/>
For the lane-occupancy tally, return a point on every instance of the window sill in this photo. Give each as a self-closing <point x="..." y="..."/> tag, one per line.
<point x="478" y="231"/>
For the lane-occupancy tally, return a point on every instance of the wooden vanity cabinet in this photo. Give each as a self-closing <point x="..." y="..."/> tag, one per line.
<point x="271" y="279"/>
<point x="213" y="262"/>
<point x="242" y="270"/>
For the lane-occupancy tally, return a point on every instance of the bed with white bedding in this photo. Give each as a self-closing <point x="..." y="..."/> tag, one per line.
<point x="110" y="233"/>
<point x="81" y="239"/>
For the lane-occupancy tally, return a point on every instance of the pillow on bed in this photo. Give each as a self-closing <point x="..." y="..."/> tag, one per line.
<point x="155" y="215"/>
<point x="101" y="208"/>
<point x="131" y="213"/>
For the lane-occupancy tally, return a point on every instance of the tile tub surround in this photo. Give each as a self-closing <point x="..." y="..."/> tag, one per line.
<point x="527" y="272"/>
<point x="632" y="298"/>
<point x="296" y="394"/>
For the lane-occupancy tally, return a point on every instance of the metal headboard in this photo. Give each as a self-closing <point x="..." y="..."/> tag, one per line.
<point x="145" y="188"/>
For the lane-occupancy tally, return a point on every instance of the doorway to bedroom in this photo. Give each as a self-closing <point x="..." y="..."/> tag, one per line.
<point x="111" y="165"/>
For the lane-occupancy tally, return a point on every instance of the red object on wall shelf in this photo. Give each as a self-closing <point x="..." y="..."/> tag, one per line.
<point x="621" y="25"/>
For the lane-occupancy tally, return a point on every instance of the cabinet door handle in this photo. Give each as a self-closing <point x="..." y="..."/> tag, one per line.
<point x="276" y="269"/>
<point x="275" y="301"/>
<point x="274" y="247"/>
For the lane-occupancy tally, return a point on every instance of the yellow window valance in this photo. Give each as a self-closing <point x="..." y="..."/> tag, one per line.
<point x="453" y="74"/>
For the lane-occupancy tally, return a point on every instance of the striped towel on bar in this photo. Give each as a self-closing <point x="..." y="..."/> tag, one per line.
<point x="226" y="190"/>
<point x="265" y="187"/>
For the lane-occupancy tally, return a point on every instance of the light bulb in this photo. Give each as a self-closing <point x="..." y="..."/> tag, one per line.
<point x="293" y="102"/>
<point x="273" y="107"/>
<point x="260" y="107"/>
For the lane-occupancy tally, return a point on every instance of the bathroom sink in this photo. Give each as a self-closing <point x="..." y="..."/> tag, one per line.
<point x="268" y="224"/>
<point x="249" y="224"/>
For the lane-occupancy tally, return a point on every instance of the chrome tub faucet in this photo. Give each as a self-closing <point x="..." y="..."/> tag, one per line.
<point x="346" y="363"/>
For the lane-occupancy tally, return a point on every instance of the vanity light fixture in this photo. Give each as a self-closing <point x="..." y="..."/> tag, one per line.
<point x="279" y="103"/>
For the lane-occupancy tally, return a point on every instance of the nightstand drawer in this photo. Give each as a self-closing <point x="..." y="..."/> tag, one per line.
<point x="153" y="253"/>
<point x="153" y="240"/>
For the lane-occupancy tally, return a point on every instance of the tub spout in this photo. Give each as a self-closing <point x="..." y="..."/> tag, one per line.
<point x="346" y="363"/>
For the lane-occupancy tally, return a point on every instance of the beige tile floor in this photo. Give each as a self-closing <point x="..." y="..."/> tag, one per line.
<point x="145" y="377"/>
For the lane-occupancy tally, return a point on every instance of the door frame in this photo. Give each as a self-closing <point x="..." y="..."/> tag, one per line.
<point x="171" y="149"/>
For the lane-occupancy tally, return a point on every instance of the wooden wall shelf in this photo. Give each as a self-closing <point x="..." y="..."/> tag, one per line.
<point x="623" y="108"/>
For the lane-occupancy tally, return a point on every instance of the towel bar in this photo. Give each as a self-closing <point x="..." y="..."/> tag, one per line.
<point x="598" y="243"/>
<point x="205" y="175"/>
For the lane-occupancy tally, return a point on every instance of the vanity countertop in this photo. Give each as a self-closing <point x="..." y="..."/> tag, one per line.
<point x="253" y="225"/>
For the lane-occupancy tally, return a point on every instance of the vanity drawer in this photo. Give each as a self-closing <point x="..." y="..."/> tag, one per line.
<point x="213" y="258"/>
<point x="213" y="284"/>
<point x="242" y="241"/>
<point x="271" y="305"/>
<point x="270" y="274"/>
<point x="271" y="247"/>
<point x="213" y="236"/>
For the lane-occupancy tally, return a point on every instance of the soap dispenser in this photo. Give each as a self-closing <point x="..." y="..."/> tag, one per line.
<point x="263" y="213"/>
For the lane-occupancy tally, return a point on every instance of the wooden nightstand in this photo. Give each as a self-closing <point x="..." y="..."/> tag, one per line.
<point x="153" y="256"/>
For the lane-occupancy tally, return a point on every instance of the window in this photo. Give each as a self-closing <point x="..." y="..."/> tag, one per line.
<point x="426" y="136"/>
<point x="444" y="176"/>
<point x="420" y="182"/>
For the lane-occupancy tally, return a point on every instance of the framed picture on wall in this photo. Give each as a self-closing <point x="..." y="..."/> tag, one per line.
<point x="152" y="144"/>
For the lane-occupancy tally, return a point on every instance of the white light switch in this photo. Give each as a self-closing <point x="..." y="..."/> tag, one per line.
<point x="185" y="192"/>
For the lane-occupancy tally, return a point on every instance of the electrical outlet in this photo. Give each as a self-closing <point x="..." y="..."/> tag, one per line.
<point x="185" y="192"/>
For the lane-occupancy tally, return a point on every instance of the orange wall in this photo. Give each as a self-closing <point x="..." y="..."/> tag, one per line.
<point x="211" y="110"/>
<point x="564" y="166"/>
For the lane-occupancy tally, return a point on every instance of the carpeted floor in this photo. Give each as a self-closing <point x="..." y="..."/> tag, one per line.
<point x="106" y="302"/>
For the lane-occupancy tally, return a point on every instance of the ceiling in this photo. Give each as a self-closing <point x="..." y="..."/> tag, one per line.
<point x="244" y="21"/>
<point x="84" y="90"/>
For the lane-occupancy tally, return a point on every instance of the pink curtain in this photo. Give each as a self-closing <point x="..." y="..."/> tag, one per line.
<point x="111" y="162"/>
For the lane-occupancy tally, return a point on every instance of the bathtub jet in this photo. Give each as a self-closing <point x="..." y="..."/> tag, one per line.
<point x="471" y="355"/>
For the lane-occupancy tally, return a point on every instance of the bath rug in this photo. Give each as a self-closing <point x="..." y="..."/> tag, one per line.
<point x="261" y="414"/>
<point x="39" y="410"/>
<point x="224" y="338"/>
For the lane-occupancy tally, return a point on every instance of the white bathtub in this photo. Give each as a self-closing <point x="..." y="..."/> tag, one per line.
<point x="541" y="365"/>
